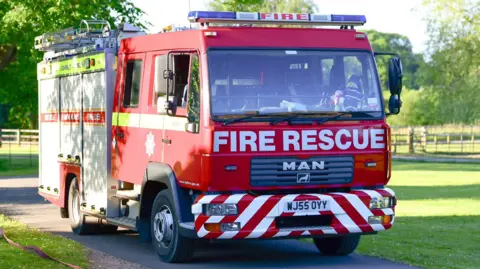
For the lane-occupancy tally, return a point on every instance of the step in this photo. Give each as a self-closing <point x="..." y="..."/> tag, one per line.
<point x="129" y="195"/>
<point x="123" y="222"/>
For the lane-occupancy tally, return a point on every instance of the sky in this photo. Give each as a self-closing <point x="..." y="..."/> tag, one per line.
<point x="404" y="17"/>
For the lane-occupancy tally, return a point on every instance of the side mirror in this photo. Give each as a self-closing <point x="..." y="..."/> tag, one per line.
<point x="191" y="127"/>
<point x="394" y="104"/>
<point x="166" y="107"/>
<point x="395" y="75"/>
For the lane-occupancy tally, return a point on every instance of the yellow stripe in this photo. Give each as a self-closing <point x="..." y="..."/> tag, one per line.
<point x="75" y="65"/>
<point x="149" y="121"/>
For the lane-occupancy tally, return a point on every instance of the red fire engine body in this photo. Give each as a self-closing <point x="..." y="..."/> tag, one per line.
<point x="225" y="132"/>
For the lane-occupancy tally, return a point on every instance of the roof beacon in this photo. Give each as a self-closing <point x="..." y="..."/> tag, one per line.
<point x="277" y="18"/>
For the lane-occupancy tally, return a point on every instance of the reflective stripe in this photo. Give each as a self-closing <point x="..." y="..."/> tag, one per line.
<point x="149" y="121"/>
<point x="73" y="66"/>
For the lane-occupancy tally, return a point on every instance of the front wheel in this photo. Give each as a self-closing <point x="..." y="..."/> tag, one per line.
<point x="170" y="246"/>
<point x="337" y="246"/>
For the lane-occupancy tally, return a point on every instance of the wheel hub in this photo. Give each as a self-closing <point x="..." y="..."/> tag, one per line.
<point x="163" y="226"/>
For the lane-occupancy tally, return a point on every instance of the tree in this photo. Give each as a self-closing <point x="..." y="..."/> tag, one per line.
<point x="21" y="21"/>
<point x="287" y="6"/>
<point x="453" y="72"/>
<point x="390" y="42"/>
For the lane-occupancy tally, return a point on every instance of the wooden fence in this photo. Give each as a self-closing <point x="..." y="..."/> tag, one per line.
<point x="18" y="137"/>
<point x="449" y="139"/>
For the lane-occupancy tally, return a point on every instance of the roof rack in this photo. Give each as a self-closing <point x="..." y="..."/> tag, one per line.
<point x="91" y="32"/>
<point x="92" y="35"/>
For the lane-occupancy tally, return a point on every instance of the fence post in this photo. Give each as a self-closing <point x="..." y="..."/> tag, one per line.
<point x="473" y="142"/>
<point x="423" y="140"/>
<point x="410" y="139"/>
<point x="448" y="142"/>
<point x="395" y="143"/>
<point x="435" y="140"/>
<point x="461" y="140"/>
<point x="18" y="136"/>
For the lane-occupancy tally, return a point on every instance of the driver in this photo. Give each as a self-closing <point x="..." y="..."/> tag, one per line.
<point x="351" y="98"/>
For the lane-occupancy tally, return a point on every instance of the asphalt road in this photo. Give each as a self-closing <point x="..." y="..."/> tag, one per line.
<point x="19" y="199"/>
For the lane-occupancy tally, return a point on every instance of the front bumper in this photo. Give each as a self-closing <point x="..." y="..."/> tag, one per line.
<point x="348" y="213"/>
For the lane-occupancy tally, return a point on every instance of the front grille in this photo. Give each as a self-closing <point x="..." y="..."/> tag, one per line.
<point x="268" y="171"/>
<point x="303" y="221"/>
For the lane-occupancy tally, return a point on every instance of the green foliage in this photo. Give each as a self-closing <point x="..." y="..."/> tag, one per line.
<point x="21" y="21"/>
<point x="453" y="73"/>
<point x="388" y="42"/>
<point x="294" y="6"/>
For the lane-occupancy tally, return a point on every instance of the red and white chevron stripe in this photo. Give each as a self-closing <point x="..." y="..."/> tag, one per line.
<point x="256" y="214"/>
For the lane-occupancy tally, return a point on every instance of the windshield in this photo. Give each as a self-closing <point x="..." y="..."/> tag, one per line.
<point x="278" y="81"/>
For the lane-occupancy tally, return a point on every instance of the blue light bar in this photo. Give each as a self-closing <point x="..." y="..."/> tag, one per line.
<point x="349" y="18"/>
<point x="278" y="18"/>
<point x="219" y="15"/>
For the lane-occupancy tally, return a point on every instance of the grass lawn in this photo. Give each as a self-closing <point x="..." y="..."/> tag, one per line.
<point x="58" y="247"/>
<point x="438" y="217"/>
<point x="18" y="166"/>
<point x="7" y="149"/>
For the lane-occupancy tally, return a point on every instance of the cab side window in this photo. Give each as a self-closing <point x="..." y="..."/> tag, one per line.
<point x="181" y="64"/>
<point x="133" y="77"/>
<point x="193" y="96"/>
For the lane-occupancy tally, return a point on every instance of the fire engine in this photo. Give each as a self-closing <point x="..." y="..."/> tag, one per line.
<point x="245" y="125"/>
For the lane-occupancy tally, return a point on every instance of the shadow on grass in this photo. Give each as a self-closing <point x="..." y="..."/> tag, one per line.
<point x="437" y="192"/>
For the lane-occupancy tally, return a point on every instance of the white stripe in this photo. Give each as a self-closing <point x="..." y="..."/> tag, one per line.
<point x="392" y="193"/>
<point x="342" y="217"/>
<point x="306" y="233"/>
<point x="372" y="194"/>
<point x="329" y="230"/>
<point x="387" y="211"/>
<point x="151" y="121"/>
<point x="197" y="207"/>
<point x="175" y="123"/>
<point x="377" y="227"/>
<point x="282" y="233"/>
<point x="134" y="120"/>
<point x="262" y="227"/>
<point x="358" y="205"/>
<point x="232" y="199"/>
<point x="202" y="232"/>
<point x="207" y="199"/>
<point x="248" y="213"/>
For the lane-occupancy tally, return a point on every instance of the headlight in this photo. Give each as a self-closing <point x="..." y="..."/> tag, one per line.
<point x="383" y="202"/>
<point x="220" y="209"/>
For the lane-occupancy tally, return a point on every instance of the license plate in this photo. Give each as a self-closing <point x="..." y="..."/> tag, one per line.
<point x="306" y="206"/>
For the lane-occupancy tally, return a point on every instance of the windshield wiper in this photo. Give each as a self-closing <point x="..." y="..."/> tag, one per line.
<point x="290" y="118"/>
<point x="253" y="114"/>
<point x="322" y="121"/>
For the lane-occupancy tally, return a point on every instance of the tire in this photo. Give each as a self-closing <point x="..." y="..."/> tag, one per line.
<point x="337" y="246"/>
<point x="170" y="246"/>
<point x="77" y="218"/>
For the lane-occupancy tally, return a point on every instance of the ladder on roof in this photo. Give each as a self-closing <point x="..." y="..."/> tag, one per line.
<point x="94" y="33"/>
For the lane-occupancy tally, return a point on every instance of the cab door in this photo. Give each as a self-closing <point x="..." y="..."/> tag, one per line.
<point x="183" y="145"/>
<point x="126" y="119"/>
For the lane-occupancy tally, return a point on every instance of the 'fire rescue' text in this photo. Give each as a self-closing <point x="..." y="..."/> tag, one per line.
<point x="343" y="139"/>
